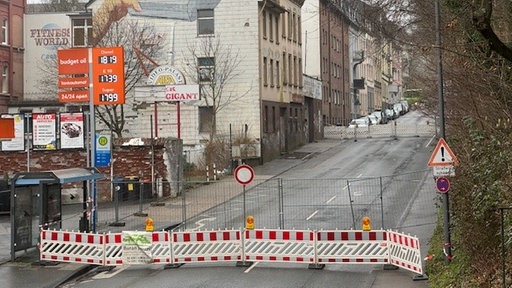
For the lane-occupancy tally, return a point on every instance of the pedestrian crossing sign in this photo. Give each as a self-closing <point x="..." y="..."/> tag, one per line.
<point x="442" y="155"/>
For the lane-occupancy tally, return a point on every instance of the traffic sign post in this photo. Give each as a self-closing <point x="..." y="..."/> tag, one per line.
<point x="244" y="174"/>
<point x="442" y="184"/>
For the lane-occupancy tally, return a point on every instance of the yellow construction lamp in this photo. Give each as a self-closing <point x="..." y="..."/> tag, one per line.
<point x="366" y="223"/>
<point x="149" y="225"/>
<point x="249" y="223"/>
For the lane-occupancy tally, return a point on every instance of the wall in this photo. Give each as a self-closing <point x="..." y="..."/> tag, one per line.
<point x="130" y="160"/>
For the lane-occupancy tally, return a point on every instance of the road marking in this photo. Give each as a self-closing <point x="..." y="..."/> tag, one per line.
<point x="200" y="223"/>
<point x="330" y="200"/>
<point x="312" y="215"/>
<point x="359" y="175"/>
<point x="110" y="274"/>
<point x="431" y="139"/>
<point x="250" y="268"/>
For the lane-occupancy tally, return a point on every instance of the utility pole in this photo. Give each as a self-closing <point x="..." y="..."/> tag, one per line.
<point x="446" y="203"/>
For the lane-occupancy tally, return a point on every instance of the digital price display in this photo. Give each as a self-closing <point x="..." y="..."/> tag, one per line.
<point x="108" y="75"/>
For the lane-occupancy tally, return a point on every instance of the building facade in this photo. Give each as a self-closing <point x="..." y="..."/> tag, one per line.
<point x="11" y="52"/>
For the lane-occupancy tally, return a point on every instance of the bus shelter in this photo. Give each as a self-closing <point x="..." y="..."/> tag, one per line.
<point x="36" y="203"/>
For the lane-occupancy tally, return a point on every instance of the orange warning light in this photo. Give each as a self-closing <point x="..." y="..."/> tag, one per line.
<point x="366" y="223"/>
<point x="149" y="225"/>
<point x="249" y="223"/>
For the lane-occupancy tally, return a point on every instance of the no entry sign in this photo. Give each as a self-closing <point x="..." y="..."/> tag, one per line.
<point x="244" y="174"/>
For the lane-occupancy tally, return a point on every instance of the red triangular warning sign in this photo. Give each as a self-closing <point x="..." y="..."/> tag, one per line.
<point x="442" y="155"/>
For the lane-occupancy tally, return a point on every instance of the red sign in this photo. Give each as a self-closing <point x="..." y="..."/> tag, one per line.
<point x="244" y="174"/>
<point x="6" y="128"/>
<point x="108" y="75"/>
<point x="73" y="61"/>
<point x="442" y="184"/>
<point x="442" y="155"/>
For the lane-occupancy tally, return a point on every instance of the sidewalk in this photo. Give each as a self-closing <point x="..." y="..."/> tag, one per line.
<point x="27" y="270"/>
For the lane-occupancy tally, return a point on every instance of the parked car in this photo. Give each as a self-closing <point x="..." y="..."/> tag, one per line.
<point x="399" y="110"/>
<point x="390" y="114"/>
<point x="381" y="116"/>
<point x="405" y="106"/>
<point x="373" y="119"/>
<point x="362" y="122"/>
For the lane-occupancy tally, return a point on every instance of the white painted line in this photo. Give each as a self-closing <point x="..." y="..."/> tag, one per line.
<point x="110" y="274"/>
<point x="359" y="176"/>
<point x="330" y="200"/>
<point x="250" y="268"/>
<point x="312" y="215"/>
<point x="431" y="139"/>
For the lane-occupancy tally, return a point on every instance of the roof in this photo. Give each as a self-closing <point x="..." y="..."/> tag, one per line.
<point x="61" y="176"/>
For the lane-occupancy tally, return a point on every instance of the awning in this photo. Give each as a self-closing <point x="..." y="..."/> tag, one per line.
<point x="61" y="176"/>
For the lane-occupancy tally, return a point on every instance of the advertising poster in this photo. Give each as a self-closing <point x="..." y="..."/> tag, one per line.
<point x="18" y="143"/>
<point x="71" y="130"/>
<point x="44" y="136"/>
<point x="137" y="247"/>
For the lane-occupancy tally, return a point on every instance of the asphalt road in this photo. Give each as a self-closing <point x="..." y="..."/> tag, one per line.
<point x="350" y="159"/>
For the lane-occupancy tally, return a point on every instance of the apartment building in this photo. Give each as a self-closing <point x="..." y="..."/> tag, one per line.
<point x="11" y="52"/>
<point x="326" y="53"/>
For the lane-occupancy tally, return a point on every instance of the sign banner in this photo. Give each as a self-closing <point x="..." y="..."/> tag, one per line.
<point x="71" y="130"/>
<point x="44" y="131"/>
<point x="182" y="92"/>
<point x="73" y="61"/>
<point x="137" y="247"/>
<point x="18" y="143"/>
<point x="102" y="151"/>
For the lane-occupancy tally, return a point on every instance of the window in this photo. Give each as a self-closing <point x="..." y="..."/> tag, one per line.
<point x="205" y="119"/>
<point x="301" y="83"/>
<point x="264" y="23"/>
<point x="278" y="75"/>
<point x="290" y="70"/>
<point x="271" y="74"/>
<point x="5" y="79"/>
<point x="5" y="31"/>
<point x="277" y="29"/>
<point x="299" y="29"/>
<point x="82" y="32"/>
<point x="274" y="119"/>
<point x="283" y="22"/>
<point x="284" y="69"/>
<point x="295" y="71"/>
<point x="205" y="23"/>
<point x="206" y="67"/>
<point x="271" y="27"/>
<point x="265" y="71"/>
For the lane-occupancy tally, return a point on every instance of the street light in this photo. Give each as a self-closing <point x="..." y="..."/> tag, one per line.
<point x="357" y="83"/>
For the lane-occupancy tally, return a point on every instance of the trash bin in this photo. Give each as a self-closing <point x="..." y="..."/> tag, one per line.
<point x="132" y="186"/>
<point x="5" y="197"/>
<point x="147" y="188"/>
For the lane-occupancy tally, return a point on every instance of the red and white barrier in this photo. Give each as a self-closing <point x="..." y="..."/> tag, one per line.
<point x="206" y="246"/>
<point x="75" y="247"/>
<point x="113" y="249"/>
<point x="161" y="247"/>
<point x="352" y="247"/>
<point x="279" y="246"/>
<point x="404" y="252"/>
<point x="262" y="245"/>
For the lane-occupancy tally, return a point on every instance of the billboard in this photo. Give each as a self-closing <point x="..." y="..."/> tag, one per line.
<point x="44" y="131"/>
<point x="18" y="143"/>
<point x="71" y="130"/>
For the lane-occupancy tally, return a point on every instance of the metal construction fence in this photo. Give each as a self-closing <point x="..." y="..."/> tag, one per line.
<point x="275" y="203"/>
<point x="392" y="129"/>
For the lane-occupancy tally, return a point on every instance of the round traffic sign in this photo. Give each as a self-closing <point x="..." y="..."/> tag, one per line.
<point x="442" y="184"/>
<point x="244" y="174"/>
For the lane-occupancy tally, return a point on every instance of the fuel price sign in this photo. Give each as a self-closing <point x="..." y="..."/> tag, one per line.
<point x="108" y="75"/>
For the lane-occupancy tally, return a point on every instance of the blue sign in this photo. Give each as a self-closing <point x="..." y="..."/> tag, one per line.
<point x="442" y="184"/>
<point x="102" y="151"/>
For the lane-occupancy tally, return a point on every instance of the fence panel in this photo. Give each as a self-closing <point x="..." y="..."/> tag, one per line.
<point x="206" y="246"/>
<point x="74" y="247"/>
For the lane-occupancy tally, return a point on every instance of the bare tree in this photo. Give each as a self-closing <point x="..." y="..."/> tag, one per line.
<point x="213" y="65"/>
<point x="57" y="6"/>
